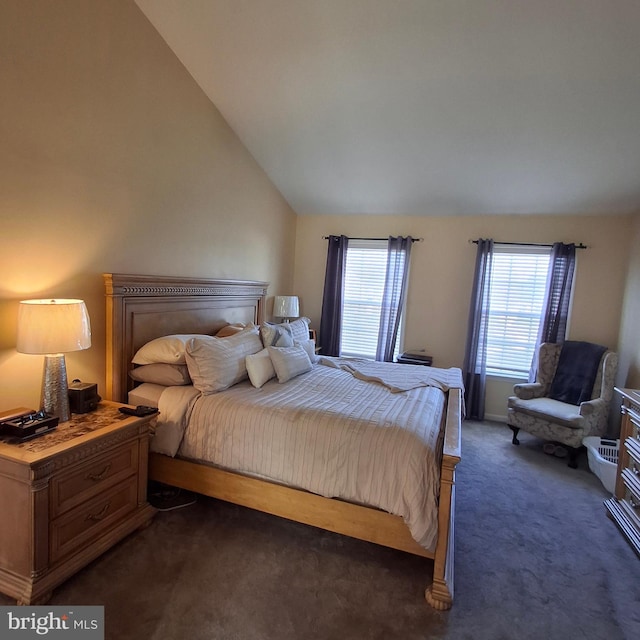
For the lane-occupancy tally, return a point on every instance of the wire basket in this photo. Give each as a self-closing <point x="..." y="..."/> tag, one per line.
<point x="603" y="459"/>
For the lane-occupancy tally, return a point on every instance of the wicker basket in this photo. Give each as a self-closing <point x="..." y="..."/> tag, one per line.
<point x="603" y="459"/>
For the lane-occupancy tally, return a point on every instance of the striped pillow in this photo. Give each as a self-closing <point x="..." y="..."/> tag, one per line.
<point x="289" y="362"/>
<point x="300" y="328"/>
<point x="216" y="364"/>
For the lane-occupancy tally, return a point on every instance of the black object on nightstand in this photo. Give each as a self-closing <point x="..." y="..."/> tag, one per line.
<point x="28" y="425"/>
<point x="415" y="357"/>
<point x="83" y="396"/>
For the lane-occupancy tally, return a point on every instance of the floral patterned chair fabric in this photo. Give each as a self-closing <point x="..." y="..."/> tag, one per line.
<point x="531" y="410"/>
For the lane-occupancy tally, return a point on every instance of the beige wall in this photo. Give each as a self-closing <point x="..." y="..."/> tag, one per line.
<point x="442" y="271"/>
<point x="112" y="159"/>
<point x="629" y="373"/>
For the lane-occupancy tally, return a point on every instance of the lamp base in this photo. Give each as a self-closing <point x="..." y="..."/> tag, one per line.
<point x="55" y="392"/>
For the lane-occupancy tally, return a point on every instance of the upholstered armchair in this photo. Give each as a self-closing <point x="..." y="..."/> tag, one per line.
<point x="534" y="411"/>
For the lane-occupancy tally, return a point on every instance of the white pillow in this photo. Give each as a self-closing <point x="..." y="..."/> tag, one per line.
<point x="167" y="349"/>
<point x="260" y="368"/>
<point x="289" y="362"/>
<point x="216" y="364"/>
<point x="168" y="375"/>
<point x="310" y="347"/>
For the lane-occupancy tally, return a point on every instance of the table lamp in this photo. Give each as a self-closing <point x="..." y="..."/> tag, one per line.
<point x="286" y="307"/>
<point x="53" y="328"/>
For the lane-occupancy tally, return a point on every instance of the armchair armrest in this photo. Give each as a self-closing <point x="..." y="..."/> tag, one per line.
<point x="591" y="407"/>
<point x="528" y="390"/>
<point x="595" y="413"/>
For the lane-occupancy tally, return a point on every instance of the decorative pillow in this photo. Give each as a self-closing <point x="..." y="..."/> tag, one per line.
<point x="216" y="364"/>
<point x="310" y="347"/>
<point x="284" y="335"/>
<point x="276" y="335"/>
<point x="260" y="368"/>
<point x="167" y="349"/>
<point x="168" y="375"/>
<point x="230" y="330"/>
<point x="289" y="362"/>
<point x="300" y="328"/>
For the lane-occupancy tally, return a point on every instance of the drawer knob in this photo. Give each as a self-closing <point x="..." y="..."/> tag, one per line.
<point x="101" y="514"/>
<point x="96" y="477"/>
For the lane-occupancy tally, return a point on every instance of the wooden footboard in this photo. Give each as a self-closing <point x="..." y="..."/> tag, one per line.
<point x="440" y="594"/>
<point x="356" y="521"/>
<point x="364" y="523"/>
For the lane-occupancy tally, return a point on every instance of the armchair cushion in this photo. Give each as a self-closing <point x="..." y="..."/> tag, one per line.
<point x="549" y="410"/>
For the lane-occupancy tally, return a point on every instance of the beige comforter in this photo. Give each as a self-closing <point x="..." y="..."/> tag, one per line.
<point x="328" y="432"/>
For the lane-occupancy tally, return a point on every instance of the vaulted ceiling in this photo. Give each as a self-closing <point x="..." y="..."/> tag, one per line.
<point x="425" y="107"/>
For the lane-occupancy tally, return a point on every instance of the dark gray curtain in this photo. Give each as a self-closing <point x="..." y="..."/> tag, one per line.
<point x="553" y="327"/>
<point x="331" y="318"/>
<point x="394" y="295"/>
<point x="554" y="320"/>
<point x="475" y="359"/>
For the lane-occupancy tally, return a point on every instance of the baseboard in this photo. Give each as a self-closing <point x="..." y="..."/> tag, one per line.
<point x="495" y="418"/>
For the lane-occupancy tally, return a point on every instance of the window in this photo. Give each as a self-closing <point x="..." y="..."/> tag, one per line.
<point x="364" y="279"/>
<point x="518" y="282"/>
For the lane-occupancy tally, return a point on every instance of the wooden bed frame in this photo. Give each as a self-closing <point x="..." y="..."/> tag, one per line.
<point x="140" y="308"/>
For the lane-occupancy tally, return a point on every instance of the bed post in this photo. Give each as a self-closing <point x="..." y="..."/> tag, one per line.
<point x="440" y="594"/>
<point x="114" y="340"/>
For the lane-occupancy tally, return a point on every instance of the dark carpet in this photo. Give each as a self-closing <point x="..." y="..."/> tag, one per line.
<point x="536" y="557"/>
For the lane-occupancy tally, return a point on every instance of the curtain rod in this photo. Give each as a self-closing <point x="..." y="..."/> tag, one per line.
<point x="578" y="245"/>
<point x="350" y="238"/>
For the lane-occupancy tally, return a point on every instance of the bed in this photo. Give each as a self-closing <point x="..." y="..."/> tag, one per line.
<point x="141" y="308"/>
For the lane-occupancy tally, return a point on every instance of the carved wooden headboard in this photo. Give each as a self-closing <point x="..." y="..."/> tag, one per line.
<point x="141" y="308"/>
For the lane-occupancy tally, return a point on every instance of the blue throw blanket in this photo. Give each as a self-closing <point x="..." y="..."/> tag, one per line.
<point x="576" y="372"/>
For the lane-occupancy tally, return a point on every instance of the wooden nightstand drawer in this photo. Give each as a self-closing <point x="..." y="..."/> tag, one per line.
<point x="84" y="523"/>
<point x="70" y="488"/>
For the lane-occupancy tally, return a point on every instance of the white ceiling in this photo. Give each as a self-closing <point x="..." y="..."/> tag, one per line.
<point x="425" y="107"/>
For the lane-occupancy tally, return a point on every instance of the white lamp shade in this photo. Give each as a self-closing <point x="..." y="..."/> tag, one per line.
<point x="286" y="307"/>
<point x="53" y="326"/>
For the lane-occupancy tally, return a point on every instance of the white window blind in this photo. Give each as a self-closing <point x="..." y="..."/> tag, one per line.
<point x="365" y="272"/>
<point x="517" y="291"/>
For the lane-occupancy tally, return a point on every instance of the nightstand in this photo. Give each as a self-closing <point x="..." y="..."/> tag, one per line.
<point x="68" y="496"/>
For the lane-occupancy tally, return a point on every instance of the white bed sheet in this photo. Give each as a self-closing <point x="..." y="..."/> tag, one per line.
<point x="146" y="394"/>
<point x="327" y="432"/>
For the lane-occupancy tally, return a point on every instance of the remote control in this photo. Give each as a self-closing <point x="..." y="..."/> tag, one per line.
<point x="139" y="411"/>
